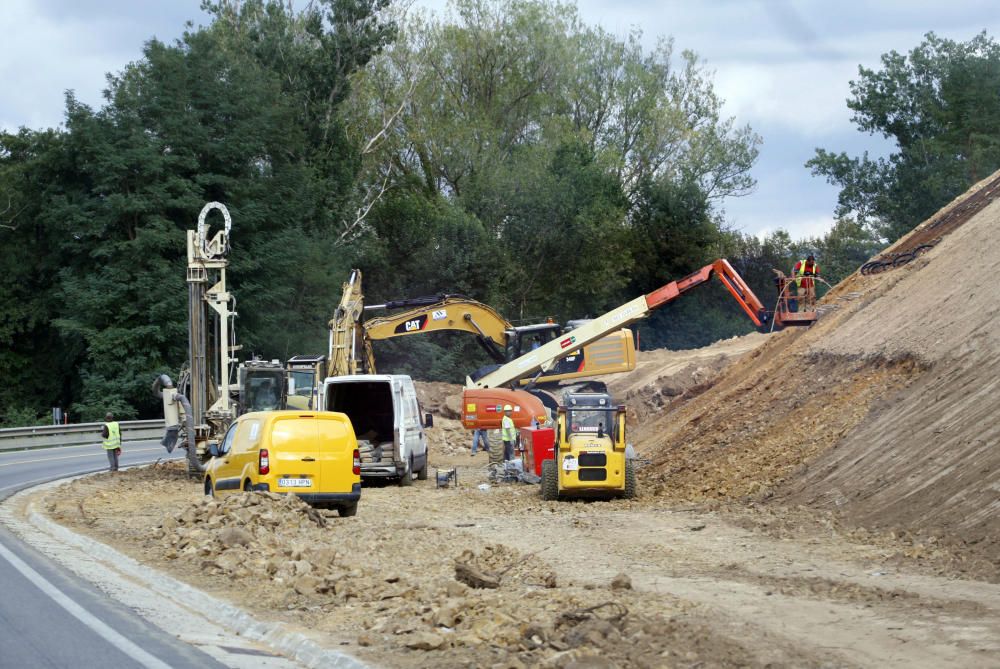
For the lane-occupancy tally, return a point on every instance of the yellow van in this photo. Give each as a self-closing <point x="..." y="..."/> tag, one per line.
<point x="312" y="454"/>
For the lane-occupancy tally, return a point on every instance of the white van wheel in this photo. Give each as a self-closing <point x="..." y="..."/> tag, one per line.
<point x="407" y="478"/>
<point x="422" y="472"/>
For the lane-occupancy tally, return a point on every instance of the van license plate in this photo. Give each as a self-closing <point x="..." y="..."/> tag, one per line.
<point x="295" y="483"/>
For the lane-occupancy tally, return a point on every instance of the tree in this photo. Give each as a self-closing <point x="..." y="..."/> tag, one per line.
<point x="941" y="106"/>
<point x="245" y="111"/>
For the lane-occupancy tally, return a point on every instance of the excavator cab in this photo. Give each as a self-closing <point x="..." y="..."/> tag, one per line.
<point x="527" y="338"/>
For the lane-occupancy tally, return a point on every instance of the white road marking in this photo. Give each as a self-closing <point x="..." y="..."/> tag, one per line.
<point x="81" y="614"/>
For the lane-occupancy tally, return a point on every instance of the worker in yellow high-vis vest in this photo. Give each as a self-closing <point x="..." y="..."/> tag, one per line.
<point x="508" y="433"/>
<point x="112" y="434"/>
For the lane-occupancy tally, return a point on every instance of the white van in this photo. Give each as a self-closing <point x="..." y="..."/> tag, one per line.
<point x="386" y="417"/>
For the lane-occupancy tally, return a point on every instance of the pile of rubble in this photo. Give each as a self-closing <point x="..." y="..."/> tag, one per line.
<point x="380" y="584"/>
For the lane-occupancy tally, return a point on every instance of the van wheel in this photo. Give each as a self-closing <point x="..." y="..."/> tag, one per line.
<point x="550" y="480"/>
<point x="422" y="472"/>
<point x="348" y="511"/>
<point x="407" y="478"/>
<point x="247" y="487"/>
<point x="209" y="488"/>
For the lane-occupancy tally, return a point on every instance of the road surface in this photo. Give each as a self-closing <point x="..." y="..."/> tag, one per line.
<point x="49" y="617"/>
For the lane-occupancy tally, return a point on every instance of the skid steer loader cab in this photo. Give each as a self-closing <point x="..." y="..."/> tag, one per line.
<point x="590" y="459"/>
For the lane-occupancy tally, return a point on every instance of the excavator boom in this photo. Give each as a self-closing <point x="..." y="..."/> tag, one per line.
<point x="443" y="312"/>
<point x="350" y="351"/>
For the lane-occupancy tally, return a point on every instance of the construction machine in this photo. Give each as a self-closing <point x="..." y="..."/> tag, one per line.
<point x="590" y="455"/>
<point x="503" y="341"/>
<point x="351" y="337"/>
<point x="481" y="395"/>
<point x="201" y="407"/>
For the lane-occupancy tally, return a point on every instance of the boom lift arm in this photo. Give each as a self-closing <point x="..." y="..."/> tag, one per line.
<point x="534" y="363"/>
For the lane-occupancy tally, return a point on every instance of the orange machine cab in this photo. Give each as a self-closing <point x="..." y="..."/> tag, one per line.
<point x="539" y="444"/>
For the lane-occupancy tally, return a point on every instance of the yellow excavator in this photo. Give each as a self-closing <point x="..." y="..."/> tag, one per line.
<point x="351" y="337"/>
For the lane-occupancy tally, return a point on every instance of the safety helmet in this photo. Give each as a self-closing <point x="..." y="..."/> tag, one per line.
<point x="507" y="407"/>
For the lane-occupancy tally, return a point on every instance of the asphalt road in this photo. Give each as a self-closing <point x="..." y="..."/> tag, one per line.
<point x="50" y="618"/>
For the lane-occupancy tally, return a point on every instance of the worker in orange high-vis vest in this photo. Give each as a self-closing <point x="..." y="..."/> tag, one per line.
<point x="803" y="273"/>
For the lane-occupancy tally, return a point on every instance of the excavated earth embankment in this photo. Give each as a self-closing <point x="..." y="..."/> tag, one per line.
<point x="883" y="413"/>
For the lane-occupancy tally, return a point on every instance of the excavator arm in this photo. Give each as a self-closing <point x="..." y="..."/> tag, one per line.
<point x="443" y="312"/>
<point x="350" y="350"/>
<point x="539" y="361"/>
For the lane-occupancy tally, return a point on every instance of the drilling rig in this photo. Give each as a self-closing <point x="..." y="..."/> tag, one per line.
<point x="200" y="408"/>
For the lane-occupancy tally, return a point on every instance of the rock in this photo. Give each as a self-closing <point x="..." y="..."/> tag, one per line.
<point x="229" y="561"/>
<point x="621" y="582"/>
<point x="302" y="567"/>
<point x="235" y="536"/>
<point x="425" y="641"/>
<point x="306" y="585"/>
<point x="456" y="589"/>
<point x="450" y="614"/>
<point x="366" y="639"/>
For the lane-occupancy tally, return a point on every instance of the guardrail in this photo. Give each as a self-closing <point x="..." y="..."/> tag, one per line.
<point x="42" y="436"/>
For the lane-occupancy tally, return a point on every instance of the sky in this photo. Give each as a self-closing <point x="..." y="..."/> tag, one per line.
<point x="782" y="66"/>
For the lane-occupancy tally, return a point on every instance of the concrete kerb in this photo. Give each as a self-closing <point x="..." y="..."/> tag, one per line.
<point x="274" y="635"/>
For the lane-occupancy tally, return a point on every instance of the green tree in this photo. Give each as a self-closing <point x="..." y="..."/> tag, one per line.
<point x="940" y="104"/>
<point x="245" y="111"/>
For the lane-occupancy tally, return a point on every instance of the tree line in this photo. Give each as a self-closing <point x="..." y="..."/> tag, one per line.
<point x="506" y="151"/>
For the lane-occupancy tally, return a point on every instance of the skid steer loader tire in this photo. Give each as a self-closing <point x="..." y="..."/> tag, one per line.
<point x="631" y="484"/>
<point x="550" y="481"/>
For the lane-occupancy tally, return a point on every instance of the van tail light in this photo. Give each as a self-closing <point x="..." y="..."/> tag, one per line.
<point x="357" y="461"/>
<point x="264" y="464"/>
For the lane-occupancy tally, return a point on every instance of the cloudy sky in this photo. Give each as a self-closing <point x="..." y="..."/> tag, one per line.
<point x="783" y="67"/>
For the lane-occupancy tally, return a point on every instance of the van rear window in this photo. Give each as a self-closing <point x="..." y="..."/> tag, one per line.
<point x="332" y="430"/>
<point x="286" y="432"/>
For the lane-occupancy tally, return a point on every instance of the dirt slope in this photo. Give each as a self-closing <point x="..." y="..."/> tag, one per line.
<point x="884" y="411"/>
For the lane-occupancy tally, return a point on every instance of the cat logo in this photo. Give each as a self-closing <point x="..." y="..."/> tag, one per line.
<point x="413" y="325"/>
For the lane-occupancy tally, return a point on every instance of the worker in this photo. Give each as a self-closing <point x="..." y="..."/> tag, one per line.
<point x="507" y="432"/>
<point x="480" y="436"/>
<point x="111" y="432"/>
<point x="803" y="273"/>
<point x="266" y="398"/>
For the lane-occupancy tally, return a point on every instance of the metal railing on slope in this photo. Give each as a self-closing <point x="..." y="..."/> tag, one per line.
<point x="43" y="436"/>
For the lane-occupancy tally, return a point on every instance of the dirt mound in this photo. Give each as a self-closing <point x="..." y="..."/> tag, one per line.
<point x="884" y="411"/>
<point x="663" y="378"/>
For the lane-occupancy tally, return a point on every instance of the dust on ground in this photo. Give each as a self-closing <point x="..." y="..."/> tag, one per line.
<point x="628" y="583"/>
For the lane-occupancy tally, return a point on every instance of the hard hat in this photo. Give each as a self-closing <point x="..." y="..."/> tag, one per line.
<point x="507" y="407"/>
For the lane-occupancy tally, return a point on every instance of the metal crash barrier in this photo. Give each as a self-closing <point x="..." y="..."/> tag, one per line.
<point x="44" y="436"/>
